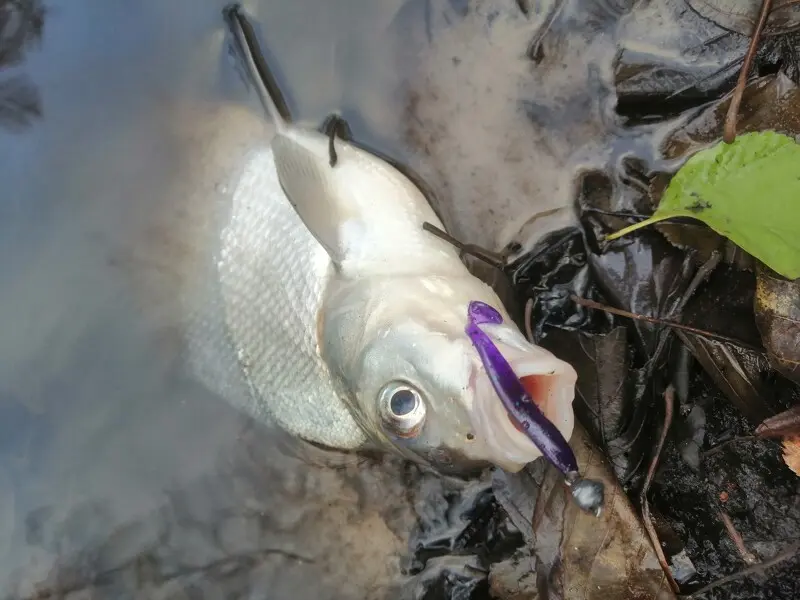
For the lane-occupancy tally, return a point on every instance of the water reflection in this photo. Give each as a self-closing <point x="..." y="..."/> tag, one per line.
<point x="21" y="26"/>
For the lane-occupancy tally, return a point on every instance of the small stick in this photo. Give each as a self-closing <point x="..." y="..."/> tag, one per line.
<point x="669" y="401"/>
<point x="729" y="134"/>
<point x="722" y="445"/>
<point x="790" y="552"/>
<point x="528" y="315"/>
<point x="737" y="540"/>
<point x="701" y="332"/>
<point x="492" y="258"/>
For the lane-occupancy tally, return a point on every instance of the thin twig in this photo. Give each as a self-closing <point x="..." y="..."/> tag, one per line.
<point x="528" y="315"/>
<point x="669" y="401"/>
<point x="495" y="259"/>
<point x="737" y="540"/>
<point x="790" y="552"/>
<point x="668" y="323"/>
<point x="736" y="440"/>
<point x="729" y="134"/>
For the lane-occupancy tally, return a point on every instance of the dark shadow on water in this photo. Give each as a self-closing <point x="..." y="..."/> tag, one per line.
<point x="21" y="27"/>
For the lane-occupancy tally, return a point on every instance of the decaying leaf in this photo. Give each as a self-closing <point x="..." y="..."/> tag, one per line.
<point x="745" y="191"/>
<point x="643" y="274"/>
<point x="741" y="15"/>
<point x="770" y="102"/>
<point x="725" y="306"/>
<point x="569" y="553"/>
<point x="777" y="308"/>
<point x="608" y="393"/>
<point x="791" y="454"/>
<point x="732" y="371"/>
<point x="785" y="424"/>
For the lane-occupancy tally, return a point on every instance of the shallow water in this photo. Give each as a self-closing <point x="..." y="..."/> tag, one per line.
<point x="101" y="433"/>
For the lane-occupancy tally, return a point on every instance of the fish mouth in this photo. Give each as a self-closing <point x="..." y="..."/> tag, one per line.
<point x="551" y="384"/>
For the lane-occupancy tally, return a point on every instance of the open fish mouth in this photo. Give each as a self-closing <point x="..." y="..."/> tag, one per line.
<point x="550" y="383"/>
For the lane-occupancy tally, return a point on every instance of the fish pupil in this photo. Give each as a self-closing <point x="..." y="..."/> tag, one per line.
<point x="402" y="402"/>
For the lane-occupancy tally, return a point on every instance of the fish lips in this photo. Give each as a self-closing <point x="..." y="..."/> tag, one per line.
<point x="548" y="380"/>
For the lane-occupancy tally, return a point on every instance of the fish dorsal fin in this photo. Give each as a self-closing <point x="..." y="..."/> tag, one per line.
<point x="310" y="185"/>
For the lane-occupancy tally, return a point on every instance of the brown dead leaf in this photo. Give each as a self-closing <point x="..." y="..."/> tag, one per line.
<point x="569" y="553"/>
<point x="770" y="102"/>
<point x="791" y="453"/>
<point x="777" y="309"/>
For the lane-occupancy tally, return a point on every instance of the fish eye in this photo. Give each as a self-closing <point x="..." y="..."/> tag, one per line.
<point x="402" y="409"/>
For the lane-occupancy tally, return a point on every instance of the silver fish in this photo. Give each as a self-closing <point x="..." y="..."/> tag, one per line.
<point x="348" y="319"/>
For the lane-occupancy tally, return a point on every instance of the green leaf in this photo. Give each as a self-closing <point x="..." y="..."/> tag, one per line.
<point x="748" y="191"/>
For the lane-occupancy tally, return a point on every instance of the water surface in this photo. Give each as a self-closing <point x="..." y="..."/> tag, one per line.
<point x="110" y="453"/>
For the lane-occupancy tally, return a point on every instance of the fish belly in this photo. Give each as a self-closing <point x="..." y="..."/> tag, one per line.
<point x="272" y="280"/>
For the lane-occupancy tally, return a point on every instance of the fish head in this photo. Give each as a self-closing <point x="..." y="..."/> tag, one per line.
<point x="417" y="385"/>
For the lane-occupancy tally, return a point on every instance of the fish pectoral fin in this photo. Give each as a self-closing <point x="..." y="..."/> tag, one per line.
<point x="308" y="180"/>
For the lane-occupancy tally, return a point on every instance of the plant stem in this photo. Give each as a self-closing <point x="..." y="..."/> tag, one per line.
<point x="655" y="320"/>
<point x="729" y="134"/>
<point x="669" y="401"/>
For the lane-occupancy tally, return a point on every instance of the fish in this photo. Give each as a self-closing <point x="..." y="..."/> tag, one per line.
<point x="313" y="300"/>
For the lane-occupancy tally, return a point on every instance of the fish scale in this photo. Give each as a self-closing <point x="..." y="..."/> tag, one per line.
<point x="267" y="253"/>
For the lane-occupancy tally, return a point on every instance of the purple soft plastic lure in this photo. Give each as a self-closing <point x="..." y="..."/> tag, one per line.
<point x="512" y="393"/>
<point x="522" y="409"/>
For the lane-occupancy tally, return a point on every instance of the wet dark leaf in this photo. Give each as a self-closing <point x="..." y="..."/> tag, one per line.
<point x="777" y="308"/>
<point x="702" y="242"/>
<point x="741" y="15"/>
<point x="783" y="424"/>
<point x="649" y="86"/>
<point x="571" y="554"/>
<point x="770" y="102"/>
<point x="723" y="305"/>
<point x="687" y="61"/>
<point x="608" y="395"/>
<point x="643" y="274"/>
<point x="547" y="276"/>
<point x="733" y="370"/>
